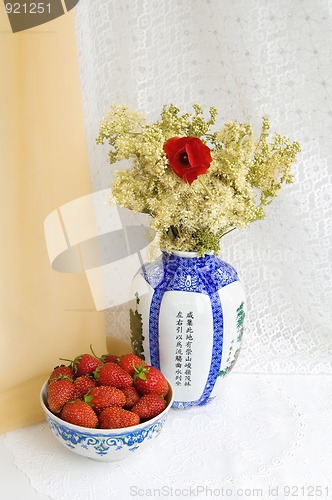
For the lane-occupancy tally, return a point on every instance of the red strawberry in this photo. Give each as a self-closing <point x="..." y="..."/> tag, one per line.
<point x="114" y="417"/>
<point x="84" y="364"/>
<point x="149" y="379"/>
<point x="149" y="406"/>
<point x="65" y="371"/>
<point x="132" y="397"/>
<point x="109" y="358"/>
<point x="113" y="375"/>
<point x="83" y="384"/>
<point x="79" y="413"/>
<point x="105" y="358"/>
<point x="59" y="392"/>
<point x="103" y="396"/>
<point x="129" y="361"/>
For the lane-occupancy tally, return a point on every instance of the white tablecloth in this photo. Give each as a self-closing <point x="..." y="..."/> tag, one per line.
<point x="267" y="436"/>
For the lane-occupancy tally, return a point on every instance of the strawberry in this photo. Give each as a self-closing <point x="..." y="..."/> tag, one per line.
<point x="84" y="364"/>
<point x="149" y="406"/>
<point x="149" y="379"/>
<point x="129" y="361"/>
<point x="83" y="384"/>
<point x="103" y="396"/>
<point x="59" y="392"/>
<point x="63" y="370"/>
<point x="132" y="397"/>
<point x="114" y="417"/>
<point x="107" y="358"/>
<point x="78" y="412"/>
<point x="113" y="375"/>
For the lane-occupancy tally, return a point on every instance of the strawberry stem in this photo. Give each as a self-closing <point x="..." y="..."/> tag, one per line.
<point x="72" y="363"/>
<point x="64" y="359"/>
<point x="88" y="399"/>
<point x="95" y="355"/>
<point x="61" y="377"/>
<point x="140" y="371"/>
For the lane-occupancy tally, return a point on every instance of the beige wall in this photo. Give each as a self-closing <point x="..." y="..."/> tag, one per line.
<point x="43" y="314"/>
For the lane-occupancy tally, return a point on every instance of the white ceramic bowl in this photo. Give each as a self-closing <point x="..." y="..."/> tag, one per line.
<point x="105" y="445"/>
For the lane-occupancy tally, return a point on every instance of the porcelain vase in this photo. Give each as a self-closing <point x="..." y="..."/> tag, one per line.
<point x="188" y="321"/>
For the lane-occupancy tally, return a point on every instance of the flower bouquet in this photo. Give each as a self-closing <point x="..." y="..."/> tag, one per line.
<point x="197" y="184"/>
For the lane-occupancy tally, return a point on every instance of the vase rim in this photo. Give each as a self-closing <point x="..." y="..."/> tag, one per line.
<point x="187" y="254"/>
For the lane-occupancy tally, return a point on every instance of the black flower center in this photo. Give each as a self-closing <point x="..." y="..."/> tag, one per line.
<point x="183" y="158"/>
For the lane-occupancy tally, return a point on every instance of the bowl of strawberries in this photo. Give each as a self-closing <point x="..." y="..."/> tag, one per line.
<point x="105" y="408"/>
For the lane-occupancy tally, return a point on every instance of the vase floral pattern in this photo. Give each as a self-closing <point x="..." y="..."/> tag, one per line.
<point x="188" y="322"/>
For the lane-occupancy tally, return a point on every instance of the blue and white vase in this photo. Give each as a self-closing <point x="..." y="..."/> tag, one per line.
<point x="188" y="322"/>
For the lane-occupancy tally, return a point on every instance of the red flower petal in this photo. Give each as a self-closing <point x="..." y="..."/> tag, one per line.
<point x="199" y="154"/>
<point x="188" y="157"/>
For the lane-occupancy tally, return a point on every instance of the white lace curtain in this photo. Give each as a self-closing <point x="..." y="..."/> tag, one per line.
<point x="248" y="58"/>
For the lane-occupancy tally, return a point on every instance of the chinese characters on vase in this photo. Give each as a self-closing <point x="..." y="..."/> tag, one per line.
<point x="183" y="348"/>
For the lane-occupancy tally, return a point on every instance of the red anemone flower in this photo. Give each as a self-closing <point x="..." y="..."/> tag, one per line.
<point x="188" y="157"/>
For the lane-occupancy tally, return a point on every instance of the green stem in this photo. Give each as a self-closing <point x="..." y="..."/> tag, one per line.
<point x="229" y="231"/>
<point x="174" y="231"/>
<point x="94" y="354"/>
<point x="206" y="188"/>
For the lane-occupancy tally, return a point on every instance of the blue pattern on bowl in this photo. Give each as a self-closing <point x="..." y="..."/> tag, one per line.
<point x="104" y="444"/>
